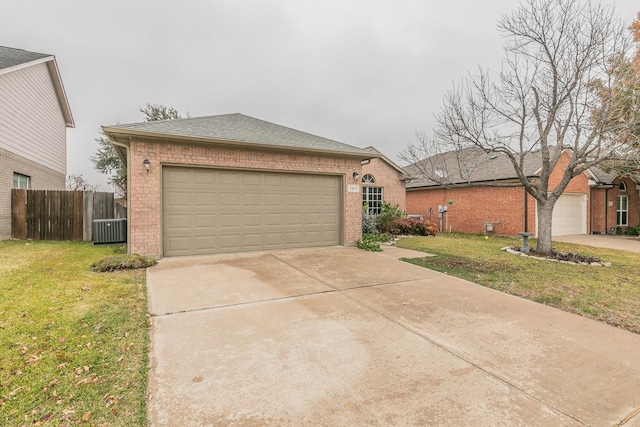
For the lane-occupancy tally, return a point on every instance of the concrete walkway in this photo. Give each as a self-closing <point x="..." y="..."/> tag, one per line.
<point x="622" y="243"/>
<point x="339" y="336"/>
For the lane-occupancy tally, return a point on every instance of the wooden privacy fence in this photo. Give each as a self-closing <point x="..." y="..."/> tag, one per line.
<point x="57" y="214"/>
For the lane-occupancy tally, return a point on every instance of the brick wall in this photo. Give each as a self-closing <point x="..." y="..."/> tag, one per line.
<point x="387" y="177"/>
<point x="42" y="178"/>
<point x="502" y="206"/>
<point x="145" y="204"/>
<point x="604" y="205"/>
<point x="472" y="207"/>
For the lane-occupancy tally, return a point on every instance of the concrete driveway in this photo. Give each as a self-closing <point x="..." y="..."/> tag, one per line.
<point x="339" y="336"/>
<point x="622" y="243"/>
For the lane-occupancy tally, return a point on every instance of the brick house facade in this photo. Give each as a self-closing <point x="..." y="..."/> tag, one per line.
<point x="502" y="206"/>
<point x="388" y="177"/>
<point x="162" y="150"/>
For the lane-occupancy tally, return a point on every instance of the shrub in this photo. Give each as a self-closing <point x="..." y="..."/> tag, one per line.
<point x="388" y="214"/>
<point x="368" y="221"/>
<point x="414" y="227"/>
<point x="375" y="237"/>
<point x="633" y="231"/>
<point x="369" y="245"/>
<point x="122" y="262"/>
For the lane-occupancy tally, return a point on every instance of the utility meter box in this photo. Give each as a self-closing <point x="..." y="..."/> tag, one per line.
<point x="442" y="208"/>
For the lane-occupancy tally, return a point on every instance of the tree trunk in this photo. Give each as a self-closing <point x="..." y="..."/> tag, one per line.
<point x="545" y="216"/>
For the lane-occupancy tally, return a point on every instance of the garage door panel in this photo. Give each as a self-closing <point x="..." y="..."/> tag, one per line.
<point x="251" y="180"/>
<point x="274" y="219"/>
<point x="273" y="239"/>
<point x="293" y="219"/>
<point x="293" y="238"/>
<point x="204" y="199"/>
<point x="175" y="199"/>
<point x="227" y="178"/>
<point x="179" y="221"/>
<point x="312" y="218"/>
<point x="229" y="200"/>
<point x="293" y="200"/>
<point x="204" y="221"/>
<point x="212" y="210"/>
<point x="293" y="181"/>
<point x="252" y="220"/>
<point x="202" y="177"/>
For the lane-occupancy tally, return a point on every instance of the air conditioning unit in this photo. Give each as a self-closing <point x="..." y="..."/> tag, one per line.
<point x="109" y="231"/>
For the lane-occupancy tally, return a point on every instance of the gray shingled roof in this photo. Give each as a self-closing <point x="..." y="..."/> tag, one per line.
<point x="10" y="57"/>
<point x="473" y="165"/>
<point x="237" y="128"/>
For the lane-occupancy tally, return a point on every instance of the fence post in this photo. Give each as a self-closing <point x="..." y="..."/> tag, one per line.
<point x="88" y="216"/>
<point x="18" y="214"/>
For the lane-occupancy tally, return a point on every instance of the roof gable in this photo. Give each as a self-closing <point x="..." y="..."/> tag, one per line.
<point x="15" y="59"/>
<point x="388" y="161"/>
<point x="234" y="129"/>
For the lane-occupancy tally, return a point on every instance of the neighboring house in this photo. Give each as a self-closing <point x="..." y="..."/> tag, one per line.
<point x="382" y="181"/>
<point x="233" y="183"/>
<point x="485" y="196"/>
<point x="34" y="117"/>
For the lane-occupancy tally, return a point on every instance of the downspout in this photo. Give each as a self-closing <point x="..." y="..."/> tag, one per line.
<point x="591" y="210"/>
<point x="526" y="211"/>
<point x="606" y="210"/>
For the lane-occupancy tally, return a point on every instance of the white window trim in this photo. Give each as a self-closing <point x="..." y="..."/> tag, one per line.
<point x="619" y="210"/>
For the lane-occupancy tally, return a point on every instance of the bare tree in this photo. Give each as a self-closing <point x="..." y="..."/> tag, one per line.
<point x="544" y="99"/>
<point x="77" y="182"/>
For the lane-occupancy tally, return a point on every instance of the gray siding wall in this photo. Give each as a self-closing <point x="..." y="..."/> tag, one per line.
<point x="42" y="178"/>
<point x="31" y="121"/>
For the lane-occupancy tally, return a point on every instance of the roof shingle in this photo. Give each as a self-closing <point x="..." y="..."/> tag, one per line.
<point x="238" y="128"/>
<point x="474" y="165"/>
<point x="10" y="57"/>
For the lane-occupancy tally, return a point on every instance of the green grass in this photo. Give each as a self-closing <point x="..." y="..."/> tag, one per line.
<point x="608" y="294"/>
<point x="73" y="343"/>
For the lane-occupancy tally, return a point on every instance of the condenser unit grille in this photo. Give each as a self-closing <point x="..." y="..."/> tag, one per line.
<point x="109" y="231"/>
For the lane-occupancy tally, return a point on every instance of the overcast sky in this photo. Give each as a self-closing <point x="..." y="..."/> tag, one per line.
<point x="362" y="72"/>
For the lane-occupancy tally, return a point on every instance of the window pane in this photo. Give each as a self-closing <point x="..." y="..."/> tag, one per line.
<point x="622" y="203"/>
<point x="373" y="197"/>
<point x="20" y="181"/>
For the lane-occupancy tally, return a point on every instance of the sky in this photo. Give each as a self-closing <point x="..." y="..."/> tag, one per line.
<point x="362" y="72"/>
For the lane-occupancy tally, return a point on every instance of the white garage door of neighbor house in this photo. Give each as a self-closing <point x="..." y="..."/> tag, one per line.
<point x="569" y="215"/>
<point x="207" y="211"/>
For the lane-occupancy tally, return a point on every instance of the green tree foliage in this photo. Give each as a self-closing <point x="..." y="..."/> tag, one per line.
<point x="106" y="160"/>
<point x="154" y="112"/>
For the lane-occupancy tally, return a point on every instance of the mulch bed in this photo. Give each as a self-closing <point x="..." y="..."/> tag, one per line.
<point x="564" y="257"/>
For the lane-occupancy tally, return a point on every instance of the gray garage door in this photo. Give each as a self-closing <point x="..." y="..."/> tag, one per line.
<point x="213" y="210"/>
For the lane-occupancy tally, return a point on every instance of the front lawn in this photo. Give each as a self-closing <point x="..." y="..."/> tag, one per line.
<point x="73" y="343"/>
<point x="609" y="294"/>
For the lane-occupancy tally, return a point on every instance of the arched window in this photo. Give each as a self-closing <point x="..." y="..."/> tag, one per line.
<point x="623" y="186"/>
<point x="368" y="179"/>
<point x="371" y="196"/>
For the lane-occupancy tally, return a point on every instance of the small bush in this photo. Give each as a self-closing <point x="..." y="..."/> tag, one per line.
<point x="369" y="245"/>
<point x="414" y="227"/>
<point x="369" y="222"/>
<point x="633" y="231"/>
<point x="122" y="262"/>
<point x="388" y="214"/>
<point x="375" y="237"/>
